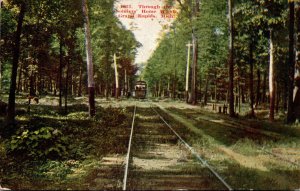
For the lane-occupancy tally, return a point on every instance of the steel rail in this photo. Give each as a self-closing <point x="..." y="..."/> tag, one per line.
<point x="203" y="161"/>
<point x="128" y="152"/>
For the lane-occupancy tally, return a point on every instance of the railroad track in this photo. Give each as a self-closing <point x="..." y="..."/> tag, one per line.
<point x="159" y="158"/>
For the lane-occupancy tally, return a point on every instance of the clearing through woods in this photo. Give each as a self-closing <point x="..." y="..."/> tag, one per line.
<point x="247" y="153"/>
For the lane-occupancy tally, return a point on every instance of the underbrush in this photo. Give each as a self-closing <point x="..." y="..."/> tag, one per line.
<point x="53" y="147"/>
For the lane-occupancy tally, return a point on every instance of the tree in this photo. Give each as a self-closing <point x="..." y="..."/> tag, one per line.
<point x="271" y="77"/>
<point x="257" y="21"/>
<point x="194" y="88"/>
<point x="230" y="60"/>
<point x="291" y="66"/>
<point x="16" y="55"/>
<point x="91" y="83"/>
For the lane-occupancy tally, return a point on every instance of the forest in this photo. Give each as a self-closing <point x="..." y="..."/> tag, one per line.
<point x="251" y="57"/>
<point x="68" y="97"/>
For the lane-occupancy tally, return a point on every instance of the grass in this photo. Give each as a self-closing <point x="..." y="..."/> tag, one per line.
<point x="88" y="141"/>
<point x="236" y="154"/>
<point x="233" y="152"/>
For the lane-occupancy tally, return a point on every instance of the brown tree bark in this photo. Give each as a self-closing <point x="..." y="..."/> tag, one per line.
<point x="278" y="97"/>
<point x="251" y="89"/>
<point x="296" y="101"/>
<point x="230" y="60"/>
<point x="107" y="64"/>
<point x="194" y="71"/>
<point x="285" y="95"/>
<point x="66" y="88"/>
<point x="20" y="78"/>
<point x="125" y="84"/>
<point x="206" y="89"/>
<point x="291" y="65"/>
<point x="16" y="55"/>
<point x="194" y="91"/>
<point x="258" y="95"/>
<point x="60" y="71"/>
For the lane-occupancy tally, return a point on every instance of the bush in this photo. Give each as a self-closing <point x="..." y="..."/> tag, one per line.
<point x="55" y="170"/>
<point x="44" y="142"/>
<point x="112" y="117"/>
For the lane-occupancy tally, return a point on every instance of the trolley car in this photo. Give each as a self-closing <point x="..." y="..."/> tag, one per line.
<point x="140" y="89"/>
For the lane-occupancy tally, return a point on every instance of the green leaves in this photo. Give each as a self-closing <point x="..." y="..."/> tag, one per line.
<point x="43" y="142"/>
<point x="210" y="27"/>
<point x="109" y="36"/>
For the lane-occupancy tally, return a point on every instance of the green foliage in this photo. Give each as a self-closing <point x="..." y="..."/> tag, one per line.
<point x="44" y="142"/>
<point x="6" y="73"/>
<point x="55" y="170"/>
<point x="111" y="117"/>
<point x="109" y="36"/>
<point x="49" y="24"/>
<point x="78" y="115"/>
<point x="168" y="62"/>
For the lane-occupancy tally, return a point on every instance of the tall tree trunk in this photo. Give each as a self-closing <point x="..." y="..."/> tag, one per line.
<point x="116" y="77"/>
<point x="125" y="84"/>
<point x="187" y="73"/>
<point x="80" y="82"/>
<point x="285" y="94"/>
<point x="278" y="94"/>
<point x="291" y="65"/>
<point x="0" y="76"/>
<point x="20" y="79"/>
<point x="251" y="89"/>
<point x="175" y="68"/>
<point x="206" y="89"/>
<point x="60" y="71"/>
<point x="236" y="100"/>
<point x="72" y="83"/>
<point x="168" y="87"/>
<point x="298" y="37"/>
<point x="194" y="71"/>
<point x="264" y="87"/>
<point x="243" y="94"/>
<point x="66" y="87"/>
<point x="50" y="84"/>
<point x="258" y="88"/>
<point x="56" y="82"/>
<point x="174" y="86"/>
<point x="0" y="60"/>
<point x="159" y="88"/>
<point x="296" y="100"/>
<point x="91" y="83"/>
<point x="239" y="98"/>
<point x="107" y="75"/>
<point x="31" y="85"/>
<point x="230" y="61"/>
<point x="272" y="78"/>
<point x="216" y="88"/>
<point x="194" y="91"/>
<point x="16" y="55"/>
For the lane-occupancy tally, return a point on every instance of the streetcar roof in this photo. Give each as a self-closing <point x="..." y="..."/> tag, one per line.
<point x="140" y="83"/>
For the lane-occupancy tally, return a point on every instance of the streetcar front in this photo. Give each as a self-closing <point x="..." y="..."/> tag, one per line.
<point x="140" y="89"/>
